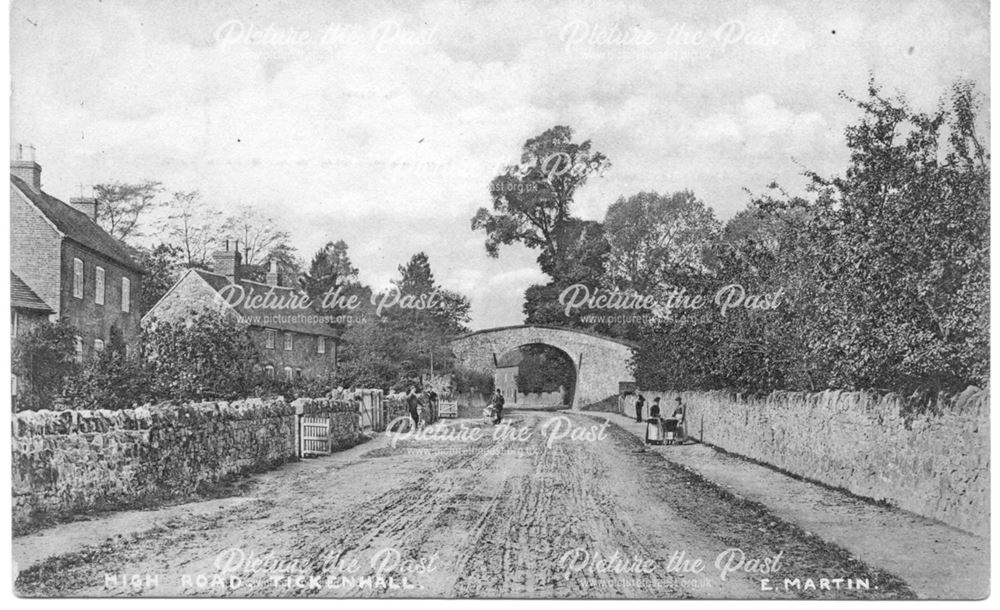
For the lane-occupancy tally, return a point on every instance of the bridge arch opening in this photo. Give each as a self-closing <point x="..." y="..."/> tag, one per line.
<point x="536" y="376"/>
<point x="601" y="363"/>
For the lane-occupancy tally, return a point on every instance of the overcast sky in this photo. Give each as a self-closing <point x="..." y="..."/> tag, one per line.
<point x="382" y="123"/>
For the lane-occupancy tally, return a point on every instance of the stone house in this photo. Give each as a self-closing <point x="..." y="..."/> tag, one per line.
<point x="61" y="255"/>
<point x="505" y="375"/>
<point x="293" y="339"/>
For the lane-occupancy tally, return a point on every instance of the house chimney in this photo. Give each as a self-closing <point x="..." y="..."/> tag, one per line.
<point x="227" y="262"/>
<point x="272" y="275"/>
<point x="23" y="166"/>
<point x="87" y="205"/>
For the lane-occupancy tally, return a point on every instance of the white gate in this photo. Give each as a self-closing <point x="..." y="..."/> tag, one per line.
<point x="314" y="436"/>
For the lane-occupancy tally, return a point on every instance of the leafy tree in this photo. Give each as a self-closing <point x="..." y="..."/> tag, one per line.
<point x="654" y="237"/>
<point x="884" y="270"/>
<point x="331" y="268"/>
<point x="904" y="239"/>
<point x="162" y="265"/>
<point x="531" y="201"/>
<point x="121" y="207"/>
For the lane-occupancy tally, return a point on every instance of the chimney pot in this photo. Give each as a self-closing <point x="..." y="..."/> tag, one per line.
<point x="227" y="263"/>
<point x="87" y="205"/>
<point x="272" y="275"/>
<point x="23" y="166"/>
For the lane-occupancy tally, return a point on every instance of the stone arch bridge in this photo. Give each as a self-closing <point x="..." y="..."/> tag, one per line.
<point x="601" y="363"/>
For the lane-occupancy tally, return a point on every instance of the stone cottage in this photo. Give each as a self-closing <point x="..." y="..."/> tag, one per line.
<point x="294" y="340"/>
<point x="61" y="255"/>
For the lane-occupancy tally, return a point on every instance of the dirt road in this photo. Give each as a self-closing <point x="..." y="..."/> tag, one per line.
<point x="546" y="505"/>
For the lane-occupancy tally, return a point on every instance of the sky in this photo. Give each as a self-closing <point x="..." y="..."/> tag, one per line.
<point x="382" y="123"/>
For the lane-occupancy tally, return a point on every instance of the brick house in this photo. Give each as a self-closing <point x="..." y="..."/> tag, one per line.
<point x="294" y="342"/>
<point x="79" y="271"/>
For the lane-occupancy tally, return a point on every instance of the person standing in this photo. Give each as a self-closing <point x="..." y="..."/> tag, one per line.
<point x="654" y="411"/>
<point x="412" y="405"/>
<point x="640" y="403"/>
<point x="679" y="416"/>
<point x="498" y="402"/>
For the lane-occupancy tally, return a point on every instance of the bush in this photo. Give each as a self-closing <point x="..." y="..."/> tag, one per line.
<point x="43" y="359"/>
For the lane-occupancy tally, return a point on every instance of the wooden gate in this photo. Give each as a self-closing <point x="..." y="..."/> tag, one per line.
<point x="314" y="436"/>
<point x="371" y="412"/>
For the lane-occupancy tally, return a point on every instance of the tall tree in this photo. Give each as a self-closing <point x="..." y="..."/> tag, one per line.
<point x="260" y="241"/>
<point x="531" y="201"/>
<point x="190" y="224"/>
<point x="654" y="237"/>
<point x="121" y="207"/>
<point x="162" y="265"/>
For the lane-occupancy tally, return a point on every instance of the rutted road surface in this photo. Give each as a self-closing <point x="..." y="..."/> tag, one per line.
<point x="546" y="505"/>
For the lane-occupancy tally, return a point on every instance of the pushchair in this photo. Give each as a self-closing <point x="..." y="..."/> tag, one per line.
<point x="672" y="433"/>
<point x="489" y="414"/>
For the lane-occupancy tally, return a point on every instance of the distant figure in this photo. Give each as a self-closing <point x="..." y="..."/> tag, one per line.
<point x="413" y="406"/>
<point x="679" y="410"/>
<point x="654" y="411"/>
<point x="679" y="416"/>
<point x="498" y="402"/>
<point x="640" y="402"/>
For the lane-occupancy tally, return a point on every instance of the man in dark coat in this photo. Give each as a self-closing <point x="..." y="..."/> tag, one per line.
<point x="498" y="402"/>
<point x="640" y="402"/>
<point x="413" y="407"/>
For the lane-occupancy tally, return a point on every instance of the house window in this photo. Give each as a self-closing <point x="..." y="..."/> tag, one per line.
<point x="99" y="286"/>
<point x="98" y="345"/>
<point x="269" y="339"/>
<point x="126" y="295"/>
<point x="78" y="348"/>
<point x="320" y="345"/>
<point x="269" y="371"/>
<point x="298" y="373"/>
<point x="77" y="278"/>
<point x="288" y="373"/>
<point x="288" y="342"/>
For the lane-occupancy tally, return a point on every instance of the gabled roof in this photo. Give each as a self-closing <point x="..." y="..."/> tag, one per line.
<point x="23" y="297"/>
<point x="301" y="320"/>
<point x="77" y="226"/>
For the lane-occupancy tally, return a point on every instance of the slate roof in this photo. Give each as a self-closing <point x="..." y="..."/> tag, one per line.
<point x="280" y="319"/>
<point x="77" y="226"/>
<point x="23" y="297"/>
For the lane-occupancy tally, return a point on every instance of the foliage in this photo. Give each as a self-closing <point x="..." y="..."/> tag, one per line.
<point x="209" y="356"/>
<point x="43" y="358"/>
<point x="122" y="206"/>
<point x="654" y="237"/>
<point x="884" y="271"/>
<point x="189" y="224"/>
<point x="162" y="265"/>
<point x="531" y="201"/>
<point x="544" y="369"/>
<point x="468" y="380"/>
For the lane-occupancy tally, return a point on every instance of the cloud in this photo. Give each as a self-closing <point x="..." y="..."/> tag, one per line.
<point x="390" y="144"/>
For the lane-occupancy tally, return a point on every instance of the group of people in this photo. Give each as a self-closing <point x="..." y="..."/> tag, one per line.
<point x="655" y="413"/>
<point x="415" y="400"/>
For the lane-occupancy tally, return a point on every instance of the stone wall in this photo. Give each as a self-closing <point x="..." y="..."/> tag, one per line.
<point x="72" y="461"/>
<point x="934" y="464"/>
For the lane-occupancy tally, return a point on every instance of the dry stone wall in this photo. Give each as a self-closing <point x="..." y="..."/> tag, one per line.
<point x="72" y="461"/>
<point x="934" y="464"/>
